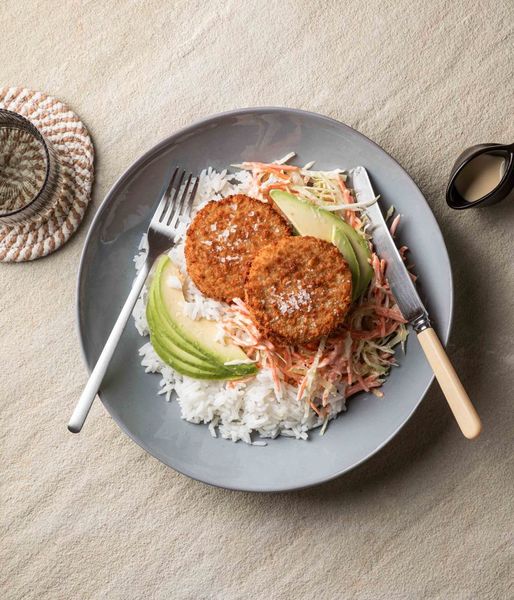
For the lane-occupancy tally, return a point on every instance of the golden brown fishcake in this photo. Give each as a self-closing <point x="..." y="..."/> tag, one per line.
<point x="299" y="289"/>
<point x="222" y="240"/>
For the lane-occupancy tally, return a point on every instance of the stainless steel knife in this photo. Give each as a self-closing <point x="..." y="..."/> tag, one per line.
<point x="413" y="310"/>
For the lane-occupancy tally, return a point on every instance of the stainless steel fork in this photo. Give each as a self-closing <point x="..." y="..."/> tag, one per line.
<point x="176" y="203"/>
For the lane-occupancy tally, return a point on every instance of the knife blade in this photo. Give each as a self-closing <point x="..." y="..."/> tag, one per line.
<point x="413" y="310"/>
<point x="401" y="284"/>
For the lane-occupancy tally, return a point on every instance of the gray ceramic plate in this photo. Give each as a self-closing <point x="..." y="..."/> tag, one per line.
<point x="106" y="274"/>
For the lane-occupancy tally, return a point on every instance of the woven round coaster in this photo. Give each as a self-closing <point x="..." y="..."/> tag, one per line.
<point x="46" y="232"/>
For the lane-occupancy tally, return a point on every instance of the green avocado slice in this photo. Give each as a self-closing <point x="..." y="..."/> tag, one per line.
<point x="341" y="241"/>
<point x="185" y="342"/>
<point x="157" y="314"/>
<point x="186" y="369"/>
<point x="309" y="219"/>
<point x="363" y="254"/>
<point x="166" y="343"/>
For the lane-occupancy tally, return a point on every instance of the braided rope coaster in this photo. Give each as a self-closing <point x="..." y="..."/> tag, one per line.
<point x="47" y="231"/>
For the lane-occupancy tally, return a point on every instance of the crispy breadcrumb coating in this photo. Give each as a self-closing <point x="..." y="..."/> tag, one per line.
<point x="298" y="289"/>
<point x="222" y="240"/>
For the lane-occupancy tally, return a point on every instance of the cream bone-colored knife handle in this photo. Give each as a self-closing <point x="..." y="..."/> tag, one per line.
<point x="456" y="396"/>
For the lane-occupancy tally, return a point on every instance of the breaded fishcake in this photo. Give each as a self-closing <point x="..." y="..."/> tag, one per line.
<point x="222" y="240"/>
<point x="298" y="289"/>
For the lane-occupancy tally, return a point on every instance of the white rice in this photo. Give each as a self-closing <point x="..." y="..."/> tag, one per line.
<point x="236" y="412"/>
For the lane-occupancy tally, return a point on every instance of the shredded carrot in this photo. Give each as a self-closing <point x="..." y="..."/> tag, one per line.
<point x="264" y="167"/>
<point x="265" y="191"/>
<point x="390" y="313"/>
<point x="394" y="224"/>
<point x="315" y="408"/>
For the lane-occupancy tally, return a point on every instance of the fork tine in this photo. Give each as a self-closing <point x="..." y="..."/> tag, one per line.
<point x="189" y="203"/>
<point x="185" y="201"/>
<point x="161" y="207"/>
<point x="180" y="201"/>
<point x="173" y="200"/>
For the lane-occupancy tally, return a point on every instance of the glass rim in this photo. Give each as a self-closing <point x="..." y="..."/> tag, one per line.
<point x="11" y="119"/>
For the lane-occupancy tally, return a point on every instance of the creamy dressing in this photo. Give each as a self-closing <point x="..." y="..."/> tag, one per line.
<point x="480" y="176"/>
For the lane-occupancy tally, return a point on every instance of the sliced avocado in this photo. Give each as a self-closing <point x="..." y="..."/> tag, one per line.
<point x="186" y="369"/>
<point x="341" y="241"/>
<point x="157" y="313"/>
<point x="363" y="254"/>
<point x="308" y="219"/>
<point x="185" y="343"/>
<point x="161" y="339"/>
<point x="165" y="338"/>
<point x="199" y="334"/>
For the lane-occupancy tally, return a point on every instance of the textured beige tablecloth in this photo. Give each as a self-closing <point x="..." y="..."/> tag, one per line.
<point x="93" y="516"/>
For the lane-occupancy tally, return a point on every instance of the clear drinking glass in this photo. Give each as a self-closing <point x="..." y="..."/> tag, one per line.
<point x="29" y="169"/>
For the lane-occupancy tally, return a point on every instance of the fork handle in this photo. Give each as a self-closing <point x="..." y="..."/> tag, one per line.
<point x="456" y="396"/>
<point x="95" y="379"/>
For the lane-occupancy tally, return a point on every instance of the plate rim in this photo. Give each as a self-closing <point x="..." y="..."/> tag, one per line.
<point x="146" y="157"/>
